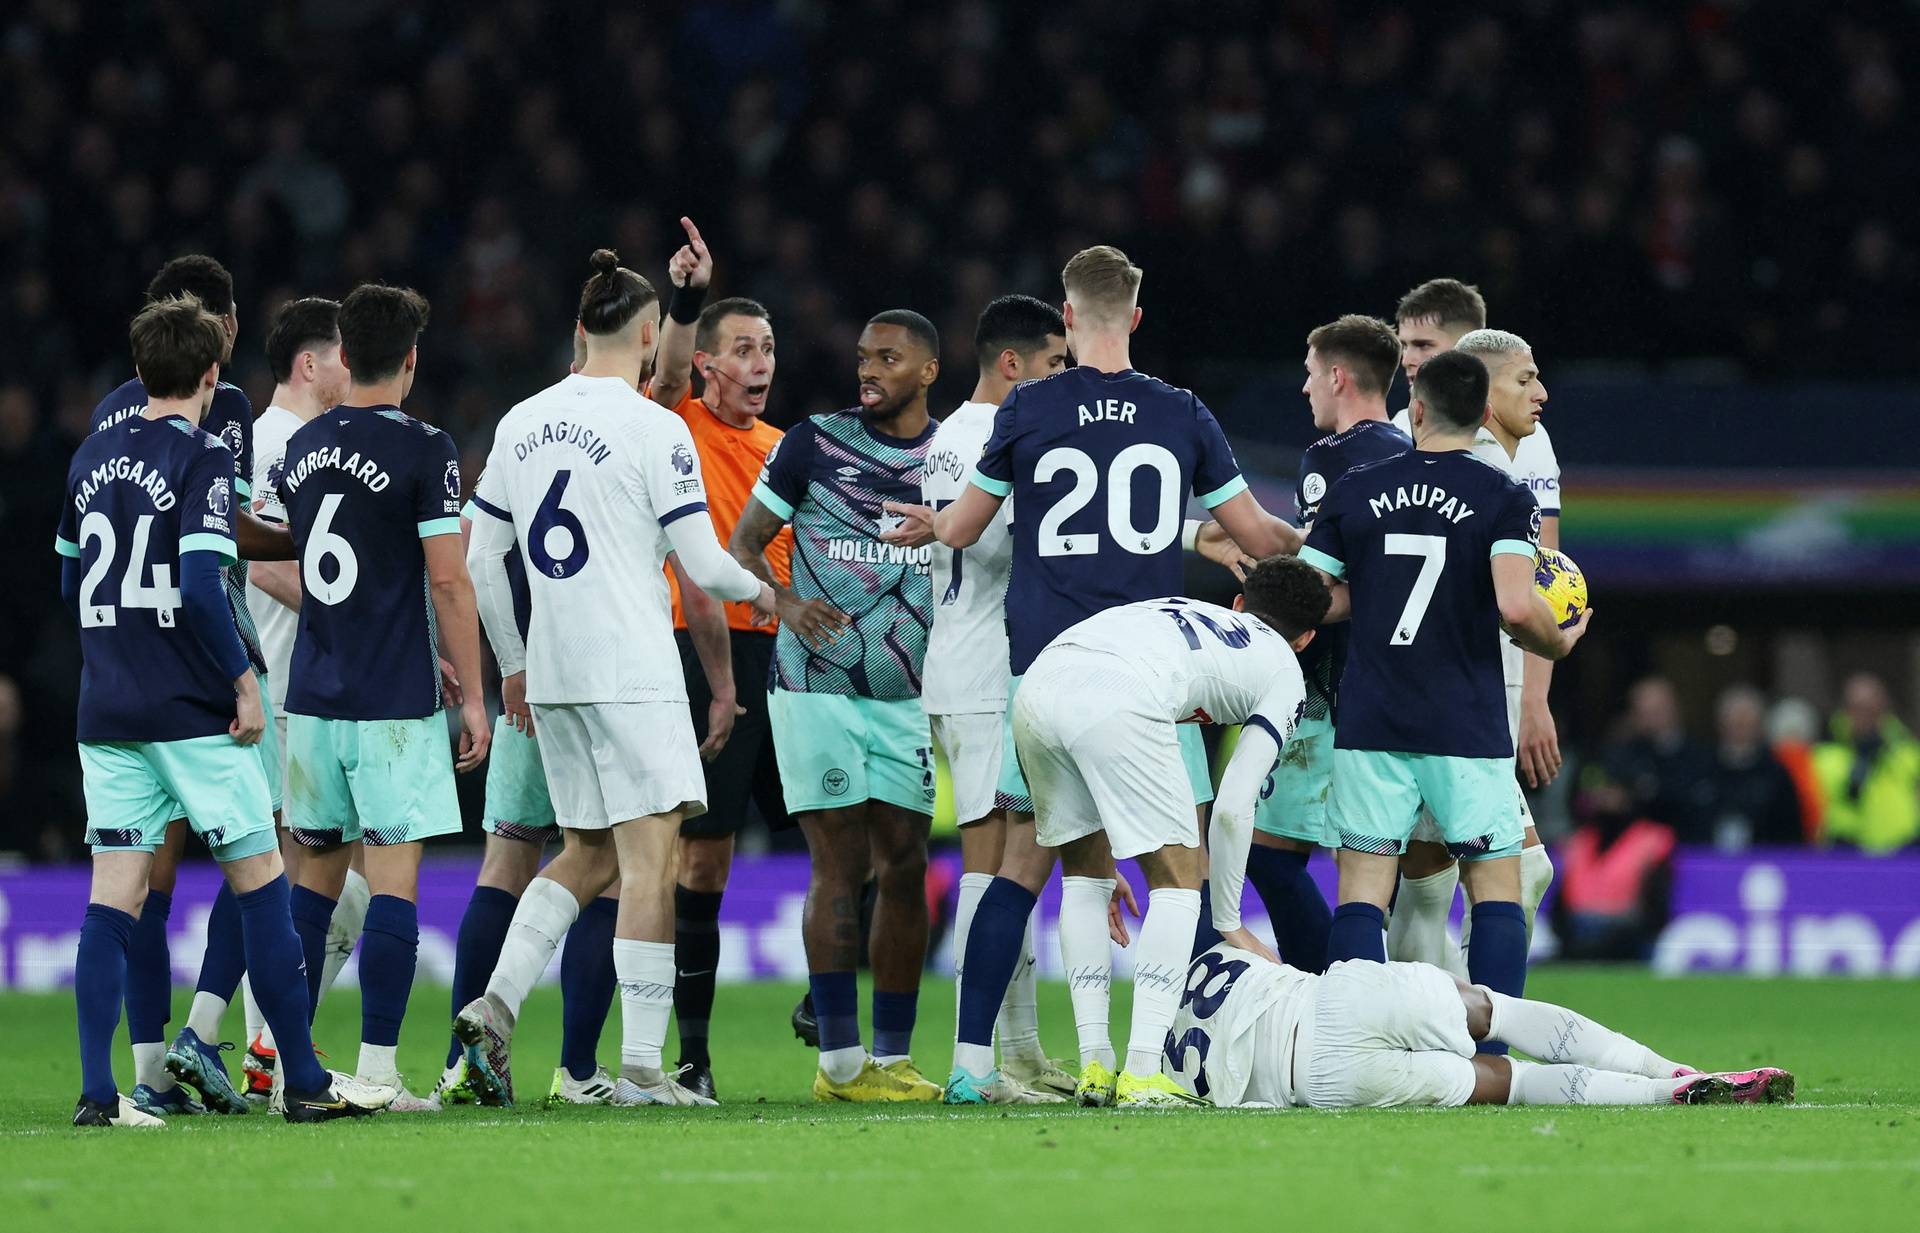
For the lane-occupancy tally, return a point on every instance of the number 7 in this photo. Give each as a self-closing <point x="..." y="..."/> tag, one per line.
<point x="1433" y="551"/>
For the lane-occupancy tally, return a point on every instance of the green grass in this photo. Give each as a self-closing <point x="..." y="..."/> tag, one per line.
<point x="1848" y="1157"/>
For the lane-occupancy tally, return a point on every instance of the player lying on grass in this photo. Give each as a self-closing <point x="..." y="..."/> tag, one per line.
<point x="1252" y="1033"/>
<point x="1096" y="727"/>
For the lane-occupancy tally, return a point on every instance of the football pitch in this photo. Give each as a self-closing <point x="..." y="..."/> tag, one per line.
<point x="1847" y="1156"/>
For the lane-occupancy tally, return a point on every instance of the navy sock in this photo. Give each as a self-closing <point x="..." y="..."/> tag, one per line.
<point x="1359" y="931"/>
<point x="586" y="986"/>
<point x="893" y="1016"/>
<point x="476" y="951"/>
<point x="226" y="957"/>
<point x="696" y="958"/>
<point x="1497" y="954"/>
<point x="1302" y="922"/>
<point x="312" y="916"/>
<point x="1205" y="936"/>
<point x="273" y="955"/>
<point x="150" y="973"/>
<point x="994" y="943"/>
<point x="99" y="983"/>
<point x="836" y="1006"/>
<point x="389" y="951"/>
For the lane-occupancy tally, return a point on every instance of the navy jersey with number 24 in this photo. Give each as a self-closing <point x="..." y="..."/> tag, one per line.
<point x="1099" y="466"/>
<point x="1414" y="537"/>
<point x="362" y="487"/>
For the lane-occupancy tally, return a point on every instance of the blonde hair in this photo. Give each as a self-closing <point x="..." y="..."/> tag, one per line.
<point x="1486" y="345"/>
<point x="1102" y="283"/>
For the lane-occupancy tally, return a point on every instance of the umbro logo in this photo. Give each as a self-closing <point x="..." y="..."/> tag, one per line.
<point x="848" y="473"/>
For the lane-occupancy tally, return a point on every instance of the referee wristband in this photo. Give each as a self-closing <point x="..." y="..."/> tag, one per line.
<point x="684" y="304"/>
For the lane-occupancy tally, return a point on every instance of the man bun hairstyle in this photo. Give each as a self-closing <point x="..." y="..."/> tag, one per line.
<point x="300" y="325"/>
<point x="1453" y="386"/>
<point x="1103" y="283"/>
<point x="1017" y="321"/>
<point x="1456" y="306"/>
<point x="706" y="333"/>
<point x="613" y="295"/>
<point x="379" y="324"/>
<point x="1365" y="346"/>
<point x="1288" y="594"/>
<point x="913" y="323"/>
<point x="199" y="276"/>
<point x="175" y="340"/>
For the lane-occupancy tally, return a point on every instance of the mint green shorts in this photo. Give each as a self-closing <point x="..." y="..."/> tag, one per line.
<point x="837" y="750"/>
<point x="272" y="758"/>
<point x="135" y="788"/>
<point x="518" y="805"/>
<point x="1193" y="754"/>
<point x="1376" y="798"/>
<point x="1293" y="802"/>
<point x="384" y="781"/>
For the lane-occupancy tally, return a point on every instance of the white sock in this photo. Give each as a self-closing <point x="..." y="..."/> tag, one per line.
<point x="976" y="1060"/>
<point x="1418" y="931"/>
<point x="1536" y="875"/>
<point x="1019" y="1021"/>
<point x="257" y="1028"/>
<point x="377" y="1064"/>
<point x="150" y="1066"/>
<point x="1160" y="957"/>
<point x="205" y="1015"/>
<point x="841" y="1065"/>
<point x="1087" y="954"/>
<point x="343" y="931"/>
<point x="1556" y="1034"/>
<point x="1535" y="1084"/>
<point x="972" y="886"/>
<point x="645" y="972"/>
<point x="545" y="912"/>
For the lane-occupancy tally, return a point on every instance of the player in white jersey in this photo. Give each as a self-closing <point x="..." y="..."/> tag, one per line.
<point x="1251" y="1033"/>
<point x="1434" y="317"/>
<point x="598" y="486"/>
<point x="965" y="683"/>
<point x="1095" y="722"/>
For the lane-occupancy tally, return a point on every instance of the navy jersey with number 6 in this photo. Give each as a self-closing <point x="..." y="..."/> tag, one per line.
<point x="1414" y="537"/>
<point x="136" y="501"/>
<point x="362" y="487"/>
<point x="1099" y="466"/>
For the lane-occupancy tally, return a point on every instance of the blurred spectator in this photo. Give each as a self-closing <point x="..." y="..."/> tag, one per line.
<point x="1754" y="798"/>
<point x="1793" y="727"/>
<point x="1615" y="877"/>
<point x="1870" y="771"/>
<point x="1669" y="777"/>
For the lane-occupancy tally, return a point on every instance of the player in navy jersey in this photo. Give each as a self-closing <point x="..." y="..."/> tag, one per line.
<point x="1350" y="364"/>
<point x="373" y="497"/>
<point x="170" y="707"/>
<point x="1436" y="549"/>
<point x="229" y="419"/>
<point x="1099" y="460"/>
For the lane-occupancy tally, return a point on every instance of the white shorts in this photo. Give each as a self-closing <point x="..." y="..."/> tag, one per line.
<point x="973" y="745"/>
<point x="1383" y="1035"/>
<point x="609" y="762"/>
<point x="1099" y="753"/>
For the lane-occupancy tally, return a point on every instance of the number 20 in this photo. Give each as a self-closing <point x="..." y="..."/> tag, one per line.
<point x="1086" y="482"/>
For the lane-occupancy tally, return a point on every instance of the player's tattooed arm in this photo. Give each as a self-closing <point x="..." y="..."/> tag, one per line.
<point x="1524" y="613"/>
<point x="690" y="268"/>
<point x="260" y="540"/>
<point x="816" y="621"/>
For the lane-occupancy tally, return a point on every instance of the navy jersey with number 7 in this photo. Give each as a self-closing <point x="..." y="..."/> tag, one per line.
<point x="1099" y="465"/>
<point x="1414" y="537"/>
<point x="362" y="487"/>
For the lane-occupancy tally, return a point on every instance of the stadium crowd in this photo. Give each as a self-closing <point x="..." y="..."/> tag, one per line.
<point x="1659" y="182"/>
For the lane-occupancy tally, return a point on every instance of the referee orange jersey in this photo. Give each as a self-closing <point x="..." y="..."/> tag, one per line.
<point x="730" y="461"/>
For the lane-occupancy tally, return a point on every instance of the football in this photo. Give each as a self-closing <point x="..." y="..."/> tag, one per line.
<point x="1562" y="584"/>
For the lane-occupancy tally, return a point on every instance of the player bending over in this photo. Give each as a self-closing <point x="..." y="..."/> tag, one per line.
<point x="170" y="708"/>
<point x="1377" y="1035"/>
<point x="1095" y="723"/>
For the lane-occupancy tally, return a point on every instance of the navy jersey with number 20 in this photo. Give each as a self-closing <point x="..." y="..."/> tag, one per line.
<point x="362" y="487"/>
<point x="1414" y="536"/>
<point x="1099" y="466"/>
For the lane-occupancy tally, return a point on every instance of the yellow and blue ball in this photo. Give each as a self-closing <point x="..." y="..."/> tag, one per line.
<point x="1561" y="584"/>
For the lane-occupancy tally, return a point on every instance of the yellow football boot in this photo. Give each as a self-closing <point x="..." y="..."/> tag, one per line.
<point x="873" y="1085"/>
<point x="1155" y="1091"/>
<point x="1096" y="1086"/>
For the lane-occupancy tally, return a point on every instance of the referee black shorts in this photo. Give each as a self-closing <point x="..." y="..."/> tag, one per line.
<point x="745" y="774"/>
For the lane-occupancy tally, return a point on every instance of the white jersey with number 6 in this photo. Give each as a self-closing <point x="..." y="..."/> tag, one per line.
<point x="591" y="474"/>
<point x="966" y="666"/>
